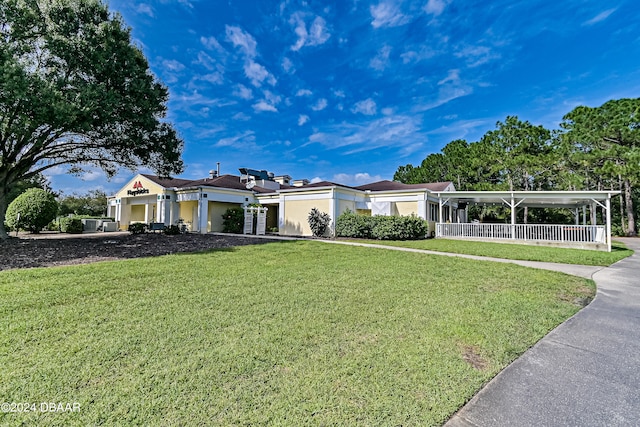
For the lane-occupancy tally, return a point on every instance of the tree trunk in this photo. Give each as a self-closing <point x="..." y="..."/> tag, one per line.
<point x="3" y="212"/>
<point x="622" y="221"/>
<point x="628" y="201"/>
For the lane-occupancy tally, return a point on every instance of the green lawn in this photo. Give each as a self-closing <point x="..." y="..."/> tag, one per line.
<point x="515" y="251"/>
<point x="292" y="333"/>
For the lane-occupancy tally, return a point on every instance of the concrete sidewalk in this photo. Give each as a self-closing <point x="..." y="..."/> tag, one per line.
<point x="586" y="372"/>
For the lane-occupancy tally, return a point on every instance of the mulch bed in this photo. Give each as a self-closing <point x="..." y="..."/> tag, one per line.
<point x="28" y="252"/>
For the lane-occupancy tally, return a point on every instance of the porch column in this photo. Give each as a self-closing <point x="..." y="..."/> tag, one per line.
<point x="608" y="215"/>
<point x="513" y="217"/>
<point x="146" y="212"/>
<point x="160" y="209"/>
<point x="584" y="215"/>
<point x="203" y="212"/>
<point x="577" y="215"/>
<point x="439" y="219"/>
<point x="422" y="207"/>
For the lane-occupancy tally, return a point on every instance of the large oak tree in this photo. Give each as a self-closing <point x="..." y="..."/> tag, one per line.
<point x="75" y="91"/>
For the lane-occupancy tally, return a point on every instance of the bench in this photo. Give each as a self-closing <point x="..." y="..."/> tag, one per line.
<point x="156" y="226"/>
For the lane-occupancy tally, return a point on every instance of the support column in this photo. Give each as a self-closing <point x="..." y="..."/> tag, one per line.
<point x="608" y="215"/>
<point x="584" y="215"/>
<point x="577" y="215"/>
<point x="146" y="212"/>
<point x="422" y="208"/>
<point x="203" y="213"/>
<point x="513" y="218"/>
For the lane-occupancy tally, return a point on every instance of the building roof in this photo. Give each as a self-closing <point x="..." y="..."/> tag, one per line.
<point x="387" y="185"/>
<point x="167" y="182"/>
<point x="222" y="181"/>
<point x="234" y="182"/>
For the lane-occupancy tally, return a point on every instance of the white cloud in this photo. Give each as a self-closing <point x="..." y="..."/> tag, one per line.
<point x="241" y="117"/>
<point x="355" y="180"/>
<point x="339" y="94"/>
<point x="206" y="61"/>
<point x="211" y="43"/>
<point x="387" y="14"/>
<point x="599" y="17"/>
<point x="268" y="103"/>
<point x="452" y="77"/>
<point x="316" y="179"/>
<point x="145" y="9"/>
<point x="476" y="55"/>
<point x="258" y="74"/>
<point x="241" y="91"/>
<point x="381" y="60"/>
<point x="436" y="7"/>
<point x="172" y="65"/>
<point x="93" y="175"/>
<point x="397" y="131"/>
<point x="215" y="78"/>
<point x="287" y="66"/>
<point x="422" y="53"/>
<point x="264" y="106"/>
<point x="318" y="33"/>
<point x="366" y="107"/>
<point x="302" y="119"/>
<point x="320" y="105"/>
<point x="242" y="40"/>
<point x="387" y="111"/>
<point x="238" y="141"/>
<point x="304" y="92"/>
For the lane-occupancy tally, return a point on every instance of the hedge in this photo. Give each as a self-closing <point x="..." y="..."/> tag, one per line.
<point x="381" y="227"/>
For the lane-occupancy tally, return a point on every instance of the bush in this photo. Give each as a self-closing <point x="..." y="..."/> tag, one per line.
<point x="71" y="225"/>
<point x="171" y="230"/>
<point x="32" y="210"/>
<point x="399" y="228"/>
<point x="350" y="224"/>
<point x="137" y="228"/>
<point x="233" y="220"/>
<point x="381" y="227"/>
<point x="318" y="222"/>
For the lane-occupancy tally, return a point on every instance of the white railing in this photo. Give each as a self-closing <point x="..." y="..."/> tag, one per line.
<point x="535" y="232"/>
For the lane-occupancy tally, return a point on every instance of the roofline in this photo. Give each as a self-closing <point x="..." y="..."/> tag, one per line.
<point x="528" y="193"/>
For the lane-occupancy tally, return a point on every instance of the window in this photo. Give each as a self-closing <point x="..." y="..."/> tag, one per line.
<point x="433" y="212"/>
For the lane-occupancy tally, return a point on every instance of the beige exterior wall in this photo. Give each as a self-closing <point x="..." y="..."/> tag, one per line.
<point x="146" y="183"/>
<point x="187" y="213"/>
<point x="343" y="205"/>
<point x="406" y="208"/>
<point x="137" y="213"/>
<point x="216" y="210"/>
<point x="297" y="213"/>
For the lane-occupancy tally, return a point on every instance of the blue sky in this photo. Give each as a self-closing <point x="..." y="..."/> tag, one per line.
<point x="347" y="91"/>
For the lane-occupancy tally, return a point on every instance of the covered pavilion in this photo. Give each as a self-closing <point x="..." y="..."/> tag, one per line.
<point x="583" y="234"/>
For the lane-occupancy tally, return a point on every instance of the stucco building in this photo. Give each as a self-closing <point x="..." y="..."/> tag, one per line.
<point x="199" y="204"/>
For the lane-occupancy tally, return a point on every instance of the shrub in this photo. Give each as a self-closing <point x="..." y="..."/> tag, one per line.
<point x="171" y="230"/>
<point x="350" y="224"/>
<point x="399" y="228"/>
<point x="233" y="220"/>
<point x="71" y="225"/>
<point x="32" y="210"/>
<point x="137" y="228"/>
<point x="381" y="227"/>
<point x="318" y="222"/>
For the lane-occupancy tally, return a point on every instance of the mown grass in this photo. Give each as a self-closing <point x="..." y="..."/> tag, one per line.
<point x="514" y="251"/>
<point x="295" y="333"/>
